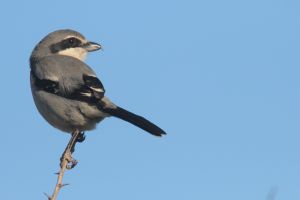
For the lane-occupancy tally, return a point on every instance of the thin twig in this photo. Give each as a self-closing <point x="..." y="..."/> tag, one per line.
<point x="66" y="162"/>
<point x="272" y="193"/>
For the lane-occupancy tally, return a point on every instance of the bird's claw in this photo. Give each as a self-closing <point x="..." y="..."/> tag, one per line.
<point x="81" y="137"/>
<point x="71" y="162"/>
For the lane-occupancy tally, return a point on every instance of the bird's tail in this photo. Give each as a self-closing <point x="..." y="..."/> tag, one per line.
<point x="136" y="120"/>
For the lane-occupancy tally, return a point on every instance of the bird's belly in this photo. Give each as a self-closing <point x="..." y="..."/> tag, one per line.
<point x="65" y="114"/>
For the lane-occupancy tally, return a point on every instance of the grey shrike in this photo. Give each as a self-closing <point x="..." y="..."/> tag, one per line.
<point x="67" y="92"/>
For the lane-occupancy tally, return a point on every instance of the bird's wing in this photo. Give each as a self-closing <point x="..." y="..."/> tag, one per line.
<point x="68" y="78"/>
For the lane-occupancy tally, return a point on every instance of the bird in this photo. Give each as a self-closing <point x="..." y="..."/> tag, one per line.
<point x="67" y="92"/>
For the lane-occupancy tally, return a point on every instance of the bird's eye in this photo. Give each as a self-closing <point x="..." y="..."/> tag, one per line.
<point x="71" y="40"/>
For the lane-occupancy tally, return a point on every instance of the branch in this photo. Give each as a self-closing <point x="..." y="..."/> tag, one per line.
<point x="272" y="193"/>
<point x="66" y="162"/>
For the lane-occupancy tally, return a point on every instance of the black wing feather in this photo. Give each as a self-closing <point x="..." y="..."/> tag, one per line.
<point x="90" y="92"/>
<point x="94" y="85"/>
<point x="45" y="84"/>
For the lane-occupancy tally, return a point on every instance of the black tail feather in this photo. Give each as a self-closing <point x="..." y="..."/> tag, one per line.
<point x="136" y="120"/>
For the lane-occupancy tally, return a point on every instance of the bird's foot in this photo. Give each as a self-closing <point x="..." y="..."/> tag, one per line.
<point x="71" y="162"/>
<point x="81" y="137"/>
<point x="66" y="159"/>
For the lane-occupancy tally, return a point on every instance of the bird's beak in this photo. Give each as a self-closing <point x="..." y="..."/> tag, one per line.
<point x="91" y="46"/>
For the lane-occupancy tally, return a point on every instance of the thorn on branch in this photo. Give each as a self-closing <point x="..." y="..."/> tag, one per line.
<point x="63" y="185"/>
<point x="49" y="198"/>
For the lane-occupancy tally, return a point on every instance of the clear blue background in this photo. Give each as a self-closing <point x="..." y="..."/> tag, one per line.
<point x="221" y="77"/>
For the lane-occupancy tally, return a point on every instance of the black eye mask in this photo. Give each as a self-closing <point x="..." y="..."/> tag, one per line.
<point x="71" y="42"/>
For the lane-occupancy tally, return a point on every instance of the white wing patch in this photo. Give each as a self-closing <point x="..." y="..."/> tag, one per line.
<point x="97" y="89"/>
<point x="86" y="94"/>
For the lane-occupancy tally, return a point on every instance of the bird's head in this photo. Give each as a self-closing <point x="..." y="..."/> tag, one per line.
<point x="65" y="42"/>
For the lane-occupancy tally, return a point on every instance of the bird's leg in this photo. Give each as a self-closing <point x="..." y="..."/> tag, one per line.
<point x="67" y="155"/>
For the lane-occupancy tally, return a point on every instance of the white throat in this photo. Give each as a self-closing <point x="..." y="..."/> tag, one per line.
<point x="77" y="52"/>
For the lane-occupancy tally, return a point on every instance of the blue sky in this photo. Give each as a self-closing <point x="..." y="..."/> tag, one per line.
<point x="221" y="77"/>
